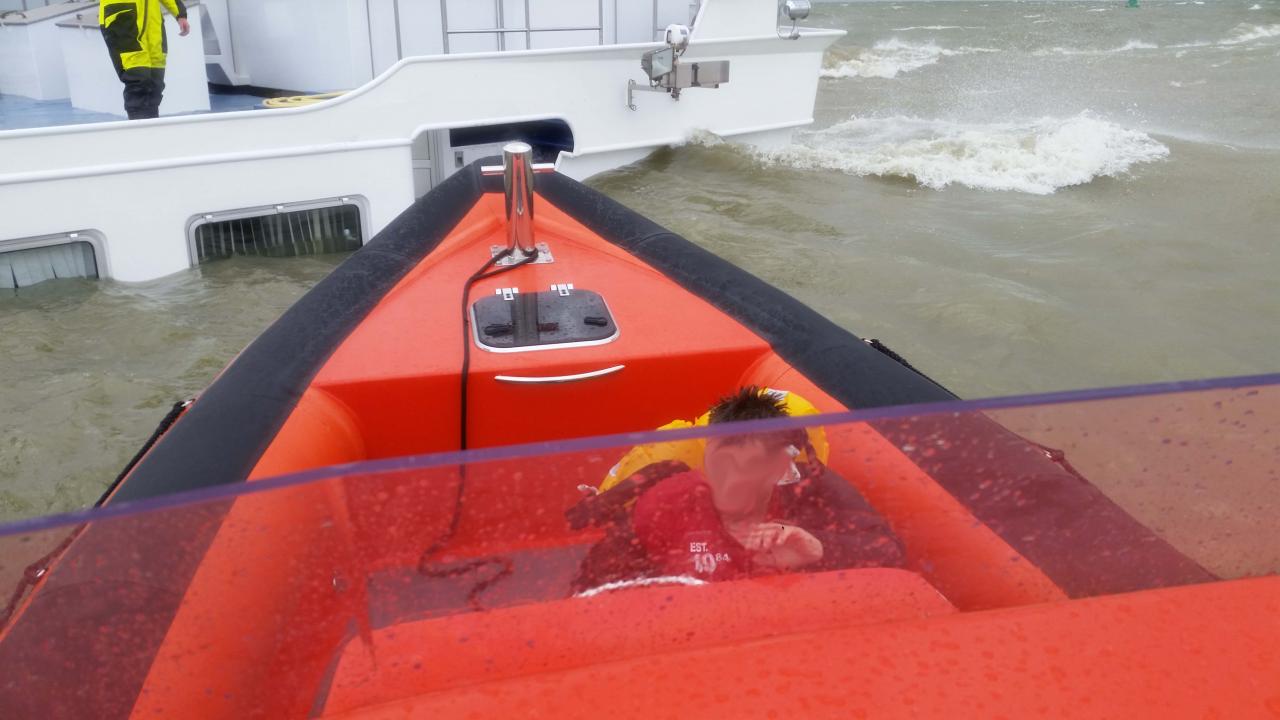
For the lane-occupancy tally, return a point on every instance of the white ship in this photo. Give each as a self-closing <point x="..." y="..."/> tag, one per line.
<point x="430" y="86"/>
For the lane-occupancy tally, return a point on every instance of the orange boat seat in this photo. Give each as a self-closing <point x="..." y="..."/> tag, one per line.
<point x="434" y="654"/>
<point x="1204" y="651"/>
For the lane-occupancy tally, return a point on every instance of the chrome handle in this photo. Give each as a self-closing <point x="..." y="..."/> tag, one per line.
<point x="526" y="380"/>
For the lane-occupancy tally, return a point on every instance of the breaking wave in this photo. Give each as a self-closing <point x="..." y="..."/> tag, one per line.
<point x="1243" y="34"/>
<point x="938" y="27"/>
<point x="889" y="58"/>
<point x="1131" y="45"/>
<point x="1037" y="157"/>
<point x="1249" y="33"/>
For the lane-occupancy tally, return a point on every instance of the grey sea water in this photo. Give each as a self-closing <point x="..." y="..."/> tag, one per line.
<point x="1017" y="196"/>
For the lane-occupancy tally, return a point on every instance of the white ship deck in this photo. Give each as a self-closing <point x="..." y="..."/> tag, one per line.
<point x="22" y="113"/>
<point x="144" y="189"/>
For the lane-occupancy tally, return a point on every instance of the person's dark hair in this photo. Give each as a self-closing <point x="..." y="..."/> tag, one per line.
<point x="752" y="403"/>
<point x="749" y="403"/>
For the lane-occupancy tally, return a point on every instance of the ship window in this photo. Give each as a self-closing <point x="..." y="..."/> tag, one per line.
<point x="34" y="260"/>
<point x="315" y="228"/>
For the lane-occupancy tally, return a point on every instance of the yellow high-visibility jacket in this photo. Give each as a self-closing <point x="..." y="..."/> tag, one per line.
<point x="134" y="30"/>
<point x="690" y="452"/>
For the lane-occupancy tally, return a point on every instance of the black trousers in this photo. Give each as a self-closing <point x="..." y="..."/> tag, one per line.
<point x="143" y="91"/>
<point x="143" y="87"/>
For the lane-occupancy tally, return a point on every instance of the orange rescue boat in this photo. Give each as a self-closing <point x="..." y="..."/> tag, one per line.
<point x="364" y="514"/>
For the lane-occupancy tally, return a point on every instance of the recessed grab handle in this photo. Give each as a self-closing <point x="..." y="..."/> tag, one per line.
<point x="526" y="380"/>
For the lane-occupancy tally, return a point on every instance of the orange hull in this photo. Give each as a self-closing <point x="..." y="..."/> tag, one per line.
<point x="367" y="368"/>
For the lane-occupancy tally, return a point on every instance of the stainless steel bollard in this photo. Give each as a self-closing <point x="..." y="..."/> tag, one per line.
<point x="517" y="181"/>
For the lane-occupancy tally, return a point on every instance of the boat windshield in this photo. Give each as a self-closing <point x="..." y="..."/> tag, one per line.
<point x="323" y="592"/>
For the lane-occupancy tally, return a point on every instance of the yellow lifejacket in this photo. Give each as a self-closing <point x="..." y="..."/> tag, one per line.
<point x="134" y="30"/>
<point x="690" y="452"/>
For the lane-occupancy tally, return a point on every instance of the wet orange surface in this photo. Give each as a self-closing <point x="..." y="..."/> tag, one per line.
<point x="1101" y="657"/>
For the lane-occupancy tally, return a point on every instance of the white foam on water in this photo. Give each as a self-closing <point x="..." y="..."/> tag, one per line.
<point x="1249" y="33"/>
<point x="703" y="138"/>
<point x="1036" y="157"/>
<point x="889" y="58"/>
<point x="1243" y="34"/>
<point x="937" y="27"/>
<point x="1136" y="45"/>
<point x="1131" y="45"/>
<point x="1255" y="6"/>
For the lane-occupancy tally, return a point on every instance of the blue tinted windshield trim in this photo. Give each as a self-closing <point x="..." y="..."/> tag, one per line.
<point x="602" y="442"/>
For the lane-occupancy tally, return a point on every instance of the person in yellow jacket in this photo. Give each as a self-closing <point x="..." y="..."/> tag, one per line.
<point x="729" y="506"/>
<point x="134" y="31"/>
<point x="625" y="480"/>
<point x="690" y="452"/>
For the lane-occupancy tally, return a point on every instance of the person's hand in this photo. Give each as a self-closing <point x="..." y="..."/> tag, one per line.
<point x="184" y="27"/>
<point x="783" y="547"/>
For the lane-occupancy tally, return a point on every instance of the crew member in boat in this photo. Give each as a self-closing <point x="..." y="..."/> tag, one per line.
<point x="732" y="506"/>
<point x="136" y="38"/>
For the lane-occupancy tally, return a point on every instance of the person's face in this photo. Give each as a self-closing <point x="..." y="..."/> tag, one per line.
<point x="742" y="475"/>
